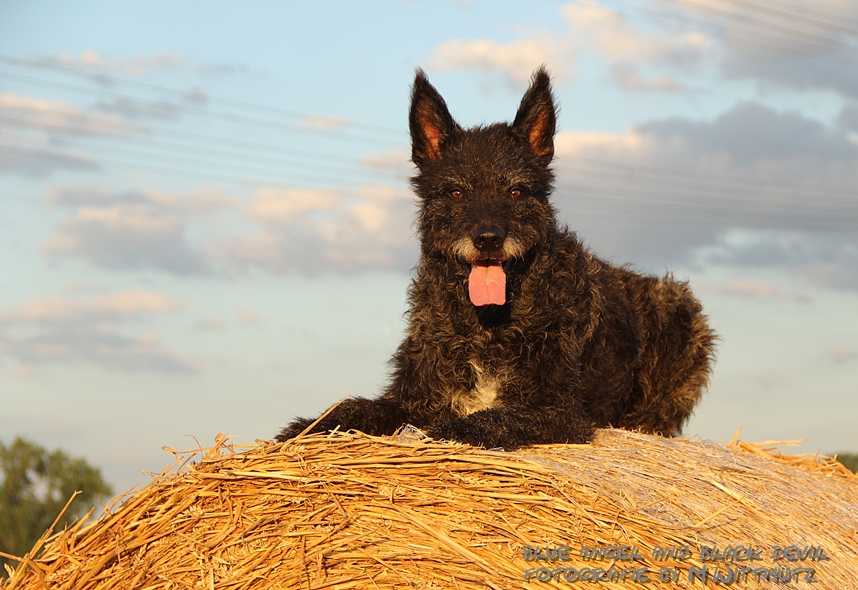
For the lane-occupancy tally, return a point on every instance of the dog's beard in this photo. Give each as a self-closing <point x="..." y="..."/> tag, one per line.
<point x="487" y="283"/>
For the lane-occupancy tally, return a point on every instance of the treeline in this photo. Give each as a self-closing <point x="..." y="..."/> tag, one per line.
<point x="35" y="485"/>
<point x="850" y="460"/>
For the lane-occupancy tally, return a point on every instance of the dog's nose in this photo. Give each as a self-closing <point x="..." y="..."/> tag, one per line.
<point x="488" y="238"/>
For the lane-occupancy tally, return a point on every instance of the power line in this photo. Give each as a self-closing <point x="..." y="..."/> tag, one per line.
<point x="696" y="183"/>
<point x="323" y="155"/>
<point x="819" y="39"/>
<point x="339" y="171"/>
<point x="704" y="203"/>
<point x="754" y="36"/>
<point x="707" y="205"/>
<point x="186" y="172"/>
<point x="784" y="14"/>
<point x="678" y="178"/>
<point x="202" y="163"/>
<point x="190" y="136"/>
<point x="267" y="123"/>
<point x="629" y="197"/>
<point x="100" y="77"/>
<point x="615" y="169"/>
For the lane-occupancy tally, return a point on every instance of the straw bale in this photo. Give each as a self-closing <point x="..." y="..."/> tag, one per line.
<point x="346" y="510"/>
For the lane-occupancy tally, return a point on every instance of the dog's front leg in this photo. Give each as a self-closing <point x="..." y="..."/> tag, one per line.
<point x="373" y="416"/>
<point x="513" y="427"/>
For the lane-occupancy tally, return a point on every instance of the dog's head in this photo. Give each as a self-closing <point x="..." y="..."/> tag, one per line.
<point x="484" y="190"/>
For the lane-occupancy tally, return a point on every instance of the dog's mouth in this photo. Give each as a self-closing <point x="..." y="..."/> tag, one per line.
<point x="487" y="281"/>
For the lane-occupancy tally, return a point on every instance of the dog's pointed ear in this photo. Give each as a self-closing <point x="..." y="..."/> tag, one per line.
<point x="536" y="118"/>
<point x="429" y="121"/>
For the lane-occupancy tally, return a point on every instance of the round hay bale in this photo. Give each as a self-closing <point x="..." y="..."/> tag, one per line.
<point x="354" y="511"/>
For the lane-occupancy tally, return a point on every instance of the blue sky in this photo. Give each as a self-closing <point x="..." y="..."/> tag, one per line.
<point x="206" y="223"/>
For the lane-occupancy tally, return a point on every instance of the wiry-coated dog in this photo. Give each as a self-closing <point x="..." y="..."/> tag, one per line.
<point x="517" y="334"/>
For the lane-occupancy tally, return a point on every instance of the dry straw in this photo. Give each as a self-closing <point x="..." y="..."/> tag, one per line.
<point x="354" y="511"/>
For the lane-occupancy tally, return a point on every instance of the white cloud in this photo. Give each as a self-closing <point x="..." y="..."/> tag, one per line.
<point x="248" y="316"/>
<point x="630" y="80"/>
<point x="748" y="140"/>
<point x="761" y="291"/>
<point x="132" y="230"/>
<point x="133" y="109"/>
<point x="217" y="70"/>
<point x="683" y="189"/>
<point x="805" y="45"/>
<point x="516" y="60"/>
<point x="314" y="230"/>
<point x="35" y="157"/>
<point x="103" y="67"/>
<point x="841" y="354"/>
<point x="320" y="123"/>
<point x="611" y="34"/>
<point x="127" y="304"/>
<point x="209" y="325"/>
<point x="279" y="205"/>
<point x="138" y="65"/>
<point x="24" y="372"/>
<point x="752" y="133"/>
<point x="634" y="56"/>
<point x="54" y="116"/>
<point x="398" y="161"/>
<point x="820" y="258"/>
<point x="749" y="289"/>
<point x="63" y="330"/>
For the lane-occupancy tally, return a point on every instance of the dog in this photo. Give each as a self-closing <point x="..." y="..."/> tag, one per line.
<point x="517" y="334"/>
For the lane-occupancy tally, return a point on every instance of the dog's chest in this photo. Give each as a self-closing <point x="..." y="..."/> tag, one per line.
<point x="483" y="395"/>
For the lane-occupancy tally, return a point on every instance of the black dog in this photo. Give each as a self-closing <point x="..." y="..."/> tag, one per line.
<point x="517" y="334"/>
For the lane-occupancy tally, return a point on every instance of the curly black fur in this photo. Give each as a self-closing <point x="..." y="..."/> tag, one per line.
<point x="570" y="343"/>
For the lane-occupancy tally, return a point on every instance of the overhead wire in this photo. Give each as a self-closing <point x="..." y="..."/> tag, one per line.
<point x="689" y="205"/>
<point x="754" y="36"/>
<point x="38" y="153"/>
<point x="618" y="168"/>
<point x="685" y="189"/>
<point x="327" y="155"/>
<point x="218" y="157"/>
<point x="634" y="172"/>
<point x="644" y="204"/>
<point x="810" y="10"/>
<point x="816" y="38"/>
<point x="198" y="163"/>
<point x="701" y="204"/>
<point x="190" y="137"/>
<point x="246" y="119"/>
<point x="696" y="183"/>
<point x="791" y="16"/>
<point x="160" y="88"/>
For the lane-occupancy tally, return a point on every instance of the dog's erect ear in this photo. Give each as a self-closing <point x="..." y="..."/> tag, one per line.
<point x="429" y="121"/>
<point x="535" y="120"/>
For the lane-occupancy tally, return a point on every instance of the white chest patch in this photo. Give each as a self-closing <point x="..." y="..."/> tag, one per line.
<point x="483" y="396"/>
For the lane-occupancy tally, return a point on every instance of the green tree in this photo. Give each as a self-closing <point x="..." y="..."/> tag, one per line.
<point x="34" y="487"/>
<point x="850" y="460"/>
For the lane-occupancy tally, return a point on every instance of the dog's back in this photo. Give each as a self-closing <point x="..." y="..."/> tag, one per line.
<point x="650" y="348"/>
<point x="517" y="334"/>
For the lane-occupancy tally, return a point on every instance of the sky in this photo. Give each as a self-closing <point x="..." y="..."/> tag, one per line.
<point x="206" y="224"/>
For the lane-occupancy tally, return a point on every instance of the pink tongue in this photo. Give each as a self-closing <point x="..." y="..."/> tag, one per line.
<point x="487" y="285"/>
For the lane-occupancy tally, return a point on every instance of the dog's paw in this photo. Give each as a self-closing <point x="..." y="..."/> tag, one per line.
<point x="458" y="431"/>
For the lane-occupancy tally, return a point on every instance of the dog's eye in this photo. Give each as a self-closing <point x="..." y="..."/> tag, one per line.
<point x="515" y="193"/>
<point x="457" y="193"/>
